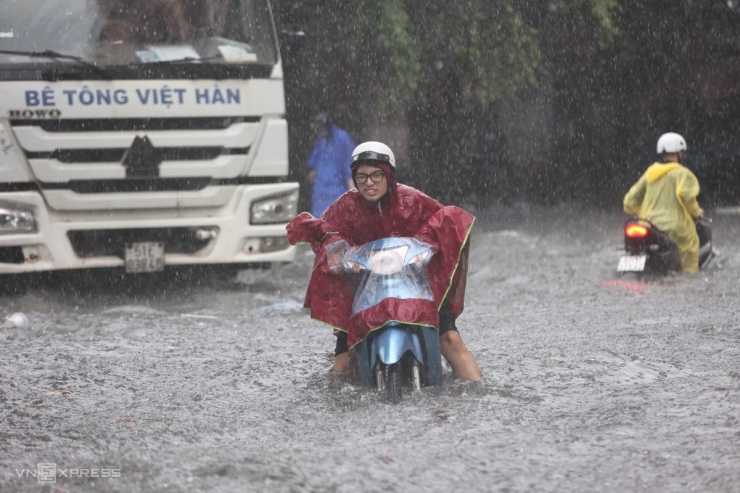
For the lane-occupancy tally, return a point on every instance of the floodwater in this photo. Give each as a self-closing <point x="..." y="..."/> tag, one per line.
<point x="204" y="383"/>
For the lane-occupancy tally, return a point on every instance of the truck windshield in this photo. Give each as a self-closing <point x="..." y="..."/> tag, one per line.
<point x="133" y="32"/>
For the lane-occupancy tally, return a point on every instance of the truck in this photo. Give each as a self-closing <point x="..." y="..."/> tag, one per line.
<point x="140" y="134"/>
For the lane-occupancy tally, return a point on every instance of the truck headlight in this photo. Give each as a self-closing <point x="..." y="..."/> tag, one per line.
<point x="14" y="220"/>
<point x="275" y="210"/>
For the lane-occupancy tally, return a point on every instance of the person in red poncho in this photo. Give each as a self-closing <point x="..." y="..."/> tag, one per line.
<point x="379" y="207"/>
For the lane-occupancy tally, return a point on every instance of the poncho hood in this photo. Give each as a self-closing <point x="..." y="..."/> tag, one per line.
<point x="658" y="170"/>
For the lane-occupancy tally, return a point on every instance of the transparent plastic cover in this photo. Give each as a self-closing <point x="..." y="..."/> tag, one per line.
<point x="386" y="268"/>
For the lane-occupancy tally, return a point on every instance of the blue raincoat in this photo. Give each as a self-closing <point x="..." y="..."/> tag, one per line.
<point x="330" y="159"/>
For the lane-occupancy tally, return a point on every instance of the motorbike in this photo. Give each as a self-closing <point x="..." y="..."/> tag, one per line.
<point x="390" y="279"/>
<point x="649" y="251"/>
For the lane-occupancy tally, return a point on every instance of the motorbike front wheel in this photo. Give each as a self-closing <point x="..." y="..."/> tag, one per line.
<point x="395" y="381"/>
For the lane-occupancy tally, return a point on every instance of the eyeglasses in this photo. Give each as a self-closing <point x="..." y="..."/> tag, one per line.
<point x="376" y="177"/>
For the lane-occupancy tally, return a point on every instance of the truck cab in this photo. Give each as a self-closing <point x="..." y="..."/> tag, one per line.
<point x="140" y="134"/>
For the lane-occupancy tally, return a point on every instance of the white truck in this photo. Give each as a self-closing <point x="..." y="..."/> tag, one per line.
<point x="139" y="134"/>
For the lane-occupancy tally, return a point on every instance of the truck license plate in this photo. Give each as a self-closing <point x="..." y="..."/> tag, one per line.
<point x="632" y="263"/>
<point x="147" y="256"/>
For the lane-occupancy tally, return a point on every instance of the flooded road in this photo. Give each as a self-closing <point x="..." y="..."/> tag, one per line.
<point x="215" y="384"/>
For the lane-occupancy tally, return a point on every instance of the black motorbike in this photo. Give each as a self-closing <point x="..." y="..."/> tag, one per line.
<point x="650" y="251"/>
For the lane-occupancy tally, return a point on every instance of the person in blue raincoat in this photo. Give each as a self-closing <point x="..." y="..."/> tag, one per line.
<point x="329" y="172"/>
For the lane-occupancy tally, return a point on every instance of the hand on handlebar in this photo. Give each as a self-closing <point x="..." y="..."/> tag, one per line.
<point x="334" y="260"/>
<point x="335" y="255"/>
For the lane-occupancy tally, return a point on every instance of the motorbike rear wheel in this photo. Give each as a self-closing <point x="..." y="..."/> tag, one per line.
<point x="395" y="381"/>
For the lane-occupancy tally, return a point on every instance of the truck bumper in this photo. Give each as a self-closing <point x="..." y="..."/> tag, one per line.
<point x="191" y="236"/>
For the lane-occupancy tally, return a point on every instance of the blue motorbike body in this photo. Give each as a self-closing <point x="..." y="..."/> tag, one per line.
<point x="390" y="343"/>
<point x="394" y="268"/>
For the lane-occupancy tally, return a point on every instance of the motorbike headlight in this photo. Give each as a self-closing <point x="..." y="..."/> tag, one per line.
<point x="14" y="220"/>
<point x="387" y="262"/>
<point x="275" y="210"/>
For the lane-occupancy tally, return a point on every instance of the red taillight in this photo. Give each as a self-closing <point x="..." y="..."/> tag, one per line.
<point x="636" y="231"/>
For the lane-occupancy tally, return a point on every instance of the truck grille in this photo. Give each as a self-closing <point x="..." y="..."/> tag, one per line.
<point x="135" y="164"/>
<point x="137" y="185"/>
<point x="112" y="242"/>
<point x="134" y="124"/>
<point x="117" y="155"/>
<point x="11" y="255"/>
<point x="161" y="150"/>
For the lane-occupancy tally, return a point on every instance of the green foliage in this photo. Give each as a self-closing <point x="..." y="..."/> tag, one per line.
<point x="604" y="12"/>
<point x="400" y="52"/>
<point x="492" y="46"/>
<point x="489" y="46"/>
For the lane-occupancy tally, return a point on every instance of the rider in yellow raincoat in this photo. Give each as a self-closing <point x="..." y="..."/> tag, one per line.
<point x="666" y="195"/>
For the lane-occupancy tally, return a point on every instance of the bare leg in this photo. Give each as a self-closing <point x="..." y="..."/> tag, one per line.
<point x="459" y="357"/>
<point x="344" y="363"/>
<point x="341" y="363"/>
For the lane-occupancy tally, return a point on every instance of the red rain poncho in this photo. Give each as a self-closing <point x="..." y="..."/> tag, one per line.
<point x="405" y="212"/>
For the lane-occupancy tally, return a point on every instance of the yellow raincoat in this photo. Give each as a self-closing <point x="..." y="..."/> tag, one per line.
<point x="666" y="195"/>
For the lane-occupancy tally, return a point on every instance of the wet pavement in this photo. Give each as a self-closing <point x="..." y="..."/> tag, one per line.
<point x="200" y="382"/>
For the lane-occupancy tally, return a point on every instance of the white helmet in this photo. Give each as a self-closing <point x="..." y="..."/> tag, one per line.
<point x="376" y="151"/>
<point x="671" y="143"/>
